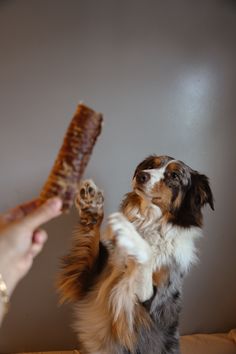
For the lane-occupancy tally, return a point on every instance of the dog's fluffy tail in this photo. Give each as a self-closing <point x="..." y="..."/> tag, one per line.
<point x="80" y="265"/>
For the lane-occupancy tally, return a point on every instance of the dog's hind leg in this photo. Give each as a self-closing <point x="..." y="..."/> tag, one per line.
<point x="79" y="266"/>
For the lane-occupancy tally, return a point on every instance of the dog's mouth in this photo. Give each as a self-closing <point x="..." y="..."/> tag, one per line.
<point x="144" y="194"/>
<point x="156" y="200"/>
<point x="137" y="188"/>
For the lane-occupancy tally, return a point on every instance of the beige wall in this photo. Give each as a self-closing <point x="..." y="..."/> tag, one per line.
<point x="163" y="73"/>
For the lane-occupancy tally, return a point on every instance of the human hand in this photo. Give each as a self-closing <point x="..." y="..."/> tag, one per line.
<point x="21" y="240"/>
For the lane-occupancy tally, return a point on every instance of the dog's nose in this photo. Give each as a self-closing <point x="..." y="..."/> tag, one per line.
<point x="142" y="177"/>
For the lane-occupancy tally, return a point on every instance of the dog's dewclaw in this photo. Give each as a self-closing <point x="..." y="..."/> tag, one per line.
<point x="73" y="156"/>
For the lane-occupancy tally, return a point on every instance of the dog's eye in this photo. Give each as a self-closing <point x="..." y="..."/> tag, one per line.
<point x="174" y="175"/>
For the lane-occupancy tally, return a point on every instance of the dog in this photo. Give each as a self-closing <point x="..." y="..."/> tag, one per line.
<point x="127" y="284"/>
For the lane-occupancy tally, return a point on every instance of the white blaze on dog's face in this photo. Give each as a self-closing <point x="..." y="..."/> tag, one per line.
<point x="173" y="187"/>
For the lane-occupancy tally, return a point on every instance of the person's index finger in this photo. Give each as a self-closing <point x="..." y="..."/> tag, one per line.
<point x="43" y="213"/>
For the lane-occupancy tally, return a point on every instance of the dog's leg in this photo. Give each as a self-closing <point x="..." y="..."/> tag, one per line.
<point x="131" y="248"/>
<point x="128" y="239"/>
<point x="125" y="282"/>
<point x="79" y="265"/>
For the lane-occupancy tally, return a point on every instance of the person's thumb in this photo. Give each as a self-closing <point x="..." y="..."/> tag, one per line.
<point x="47" y="211"/>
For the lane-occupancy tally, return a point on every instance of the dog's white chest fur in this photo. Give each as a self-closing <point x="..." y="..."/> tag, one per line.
<point x="153" y="246"/>
<point x="168" y="242"/>
<point x="174" y="244"/>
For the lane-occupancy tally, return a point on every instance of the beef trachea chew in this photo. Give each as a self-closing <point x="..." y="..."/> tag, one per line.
<point x="73" y="156"/>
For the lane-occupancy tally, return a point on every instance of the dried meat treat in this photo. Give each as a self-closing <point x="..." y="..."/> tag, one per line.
<point x="73" y="156"/>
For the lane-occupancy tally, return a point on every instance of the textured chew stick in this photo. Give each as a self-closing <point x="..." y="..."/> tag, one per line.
<point x="73" y="156"/>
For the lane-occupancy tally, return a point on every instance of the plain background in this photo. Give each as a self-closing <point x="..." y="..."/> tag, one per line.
<point x="163" y="73"/>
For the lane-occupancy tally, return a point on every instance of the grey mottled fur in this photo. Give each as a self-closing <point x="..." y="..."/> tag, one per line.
<point x="164" y="308"/>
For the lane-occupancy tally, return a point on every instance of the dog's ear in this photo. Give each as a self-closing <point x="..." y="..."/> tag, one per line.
<point x="202" y="193"/>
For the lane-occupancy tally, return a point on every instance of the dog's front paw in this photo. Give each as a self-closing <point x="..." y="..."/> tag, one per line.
<point x="89" y="201"/>
<point x="127" y="238"/>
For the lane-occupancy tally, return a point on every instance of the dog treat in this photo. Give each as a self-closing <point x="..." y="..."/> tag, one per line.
<point x="73" y="156"/>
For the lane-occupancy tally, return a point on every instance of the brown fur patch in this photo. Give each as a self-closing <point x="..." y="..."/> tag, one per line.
<point x="131" y="315"/>
<point x="99" y="328"/>
<point x="78" y="263"/>
<point x="115" y="312"/>
<point x="158" y="162"/>
<point x="177" y="202"/>
<point x="173" y="166"/>
<point x="162" y="196"/>
<point x="130" y="206"/>
<point x="122" y="331"/>
<point x="160" y="276"/>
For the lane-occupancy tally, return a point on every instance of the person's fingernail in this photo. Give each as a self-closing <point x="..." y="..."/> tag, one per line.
<point x="54" y="203"/>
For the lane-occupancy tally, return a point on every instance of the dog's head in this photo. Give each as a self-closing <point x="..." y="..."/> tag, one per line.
<point x="175" y="188"/>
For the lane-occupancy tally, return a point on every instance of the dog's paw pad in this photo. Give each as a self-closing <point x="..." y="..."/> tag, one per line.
<point x="89" y="198"/>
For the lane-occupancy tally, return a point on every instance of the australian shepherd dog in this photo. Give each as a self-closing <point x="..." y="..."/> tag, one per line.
<point x="127" y="284"/>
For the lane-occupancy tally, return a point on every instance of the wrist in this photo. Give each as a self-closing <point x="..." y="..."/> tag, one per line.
<point x="9" y="273"/>
<point x="9" y="280"/>
<point x="8" y="263"/>
<point x="4" y="296"/>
